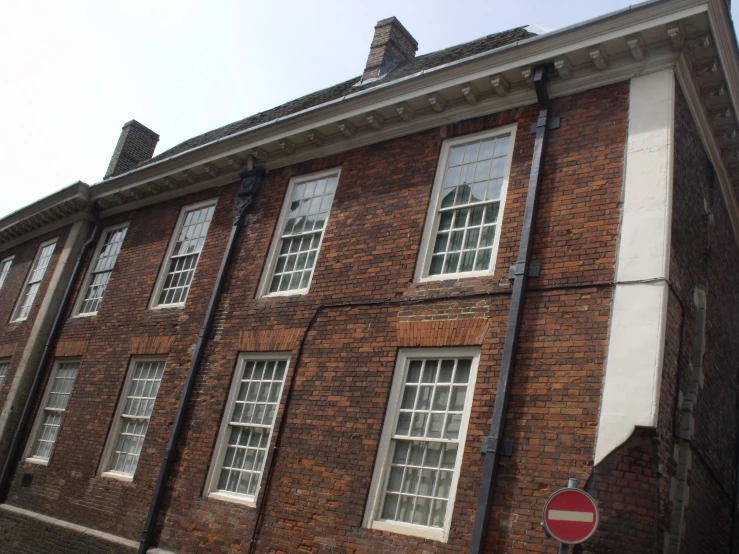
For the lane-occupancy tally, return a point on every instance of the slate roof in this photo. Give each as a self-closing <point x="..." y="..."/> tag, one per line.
<point x="418" y="64"/>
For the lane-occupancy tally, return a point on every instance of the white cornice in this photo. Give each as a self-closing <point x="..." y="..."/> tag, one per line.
<point x="708" y="138"/>
<point x="723" y="34"/>
<point x="40" y="231"/>
<point x="321" y="130"/>
<point x="530" y="51"/>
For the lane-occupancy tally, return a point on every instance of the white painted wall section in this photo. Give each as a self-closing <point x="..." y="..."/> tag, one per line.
<point x="637" y="330"/>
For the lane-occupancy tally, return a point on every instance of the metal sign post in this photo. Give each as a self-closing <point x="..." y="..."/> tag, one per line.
<point x="565" y="548"/>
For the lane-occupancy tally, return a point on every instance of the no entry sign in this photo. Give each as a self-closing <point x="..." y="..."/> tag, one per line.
<point x="570" y="516"/>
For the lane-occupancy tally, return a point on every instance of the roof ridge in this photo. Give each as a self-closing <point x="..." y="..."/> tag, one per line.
<point x="333" y="92"/>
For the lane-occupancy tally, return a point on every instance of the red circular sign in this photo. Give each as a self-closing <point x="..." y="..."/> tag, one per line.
<point x="571" y="516"/>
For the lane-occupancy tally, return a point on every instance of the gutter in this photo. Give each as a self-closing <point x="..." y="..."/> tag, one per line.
<point x="671" y="12"/>
<point x="252" y="181"/>
<point x="494" y="446"/>
<point x="20" y="430"/>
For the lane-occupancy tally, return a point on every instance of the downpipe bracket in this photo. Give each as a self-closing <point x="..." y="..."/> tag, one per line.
<point x="493" y="445"/>
<point x="530" y="270"/>
<point x="554" y="123"/>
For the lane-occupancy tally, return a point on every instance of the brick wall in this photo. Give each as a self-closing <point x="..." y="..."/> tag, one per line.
<point x="322" y="473"/>
<point x="641" y="475"/>
<point x="320" y="485"/>
<point x="705" y="252"/>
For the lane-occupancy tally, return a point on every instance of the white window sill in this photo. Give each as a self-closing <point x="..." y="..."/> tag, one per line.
<point x="296" y="292"/>
<point x="421" y="531"/>
<point x="18" y="320"/>
<point x="81" y="316"/>
<point x="450" y="276"/>
<point x="117" y="475"/>
<point x="37" y="461"/>
<point x="232" y="497"/>
<point x="179" y="305"/>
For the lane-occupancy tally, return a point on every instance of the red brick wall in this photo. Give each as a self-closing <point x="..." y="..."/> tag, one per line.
<point x="324" y="468"/>
<point x="322" y="474"/>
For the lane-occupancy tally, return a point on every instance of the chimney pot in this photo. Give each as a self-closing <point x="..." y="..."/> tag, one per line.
<point x="135" y="145"/>
<point x="391" y="45"/>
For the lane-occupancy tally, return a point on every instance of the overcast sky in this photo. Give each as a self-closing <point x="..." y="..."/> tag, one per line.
<point x="74" y="71"/>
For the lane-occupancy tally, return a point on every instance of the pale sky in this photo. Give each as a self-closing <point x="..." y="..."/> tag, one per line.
<point x="74" y="72"/>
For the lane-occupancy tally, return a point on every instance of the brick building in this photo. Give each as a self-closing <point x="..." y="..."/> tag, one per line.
<point x="396" y="314"/>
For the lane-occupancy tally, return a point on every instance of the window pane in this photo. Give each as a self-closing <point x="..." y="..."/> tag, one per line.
<point x="250" y="425"/>
<point x="185" y="255"/>
<point x="28" y="295"/>
<point x="310" y="205"/>
<point x="424" y="449"/>
<point x="60" y="387"/>
<point x="102" y="269"/>
<point x="465" y="247"/>
<point x="474" y="176"/>
<point x="138" y="405"/>
<point x="4" y="269"/>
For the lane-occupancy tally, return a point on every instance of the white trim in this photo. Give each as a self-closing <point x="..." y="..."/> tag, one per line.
<point x="88" y="276"/>
<point x="21" y="294"/>
<point x="432" y="215"/>
<point x="164" y="267"/>
<point x="710" y="143"/>
<point x="118" y="475"/>
<point x="526" y="52"/>
<point x="38" y="421"/>
<point x="635" y="352"/>
<point x="276" y="242"/>
<point x="380" y="473"/>
<point x="222" y="443"/>
<point x="116" y="425"/>
<point x="620" y="70"/>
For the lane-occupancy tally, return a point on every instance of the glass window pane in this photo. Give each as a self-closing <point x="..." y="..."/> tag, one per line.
<point x="146" y="376"/>
<point x="473" y="177"/>
<point x="33" y="282"/>
<point x="249" y="434"/>
<point x="303" y="235"/>
<point x="185" y="255"/>
<point x="102" y="268"/>
<point x="60" y="387"/>
<point x="418" y="480"/>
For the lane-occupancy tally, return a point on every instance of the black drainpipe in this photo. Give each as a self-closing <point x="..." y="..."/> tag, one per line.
<point x="494" y="446"/>
<point x="251" y="183"/>
<point x="20" y="430"/>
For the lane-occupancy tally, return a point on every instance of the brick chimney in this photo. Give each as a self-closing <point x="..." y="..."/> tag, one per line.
<point x="391" y="45"/>
<point x="135" y="145"/>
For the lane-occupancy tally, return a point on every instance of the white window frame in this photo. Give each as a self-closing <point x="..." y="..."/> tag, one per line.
<point x="164" y="268"/>
<point x="5" y="265"/>
<point x="28" y="456"/>
<point x="88" y="276"/>
<point x="432" y="216"/>
<point x="274" y="250"/>
<point x="14" y="317"/>
<point x="222" y="443"/>
<point x="115" y="428"/>
<point x="380" y="473"/>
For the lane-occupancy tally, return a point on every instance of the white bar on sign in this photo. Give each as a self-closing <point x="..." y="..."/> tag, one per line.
<point x="566" y="515"/>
